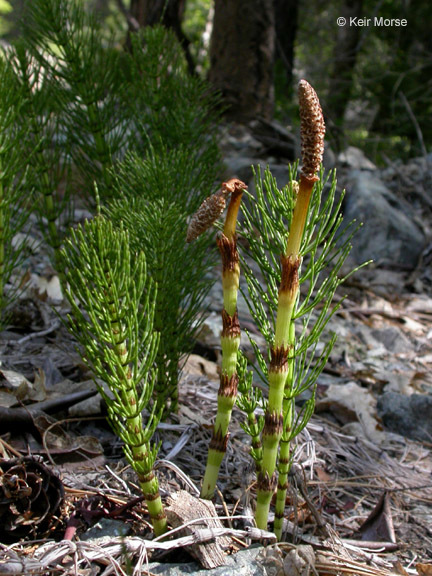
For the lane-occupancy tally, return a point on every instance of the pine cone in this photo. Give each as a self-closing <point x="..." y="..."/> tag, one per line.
<point x="30" y="496"/>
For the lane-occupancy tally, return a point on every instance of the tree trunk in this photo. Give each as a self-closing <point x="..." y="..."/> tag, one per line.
<point x="169" y="13"/>
<point x="242" y="57"/>
<point x="286" y="21"/>
<point x="151" y="12"/>
<point x="344" y="61"/>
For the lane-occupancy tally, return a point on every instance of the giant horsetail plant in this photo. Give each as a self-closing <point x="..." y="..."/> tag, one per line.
<point x="112" y="301"/>
<point x="295" y="237"/>
<point x="14" y="187"/>
<point x="206" y="215"/>
<point x="48" y="159"/>
<point x="83" y="66"/>
<point x="281" y="353"/>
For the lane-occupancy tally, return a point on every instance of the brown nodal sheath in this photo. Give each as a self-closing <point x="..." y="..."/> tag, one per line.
<point x="230" y="325"/>
<point x="284" y="460"/>
<point x="273" y="424"/>
<point x="145" y="478"/>
<point x="283" y="486"/>
<point x="219" y="443"/>
<point x="279" y="359"/>
<point x="257" y="444"/>
<point x="154" y="496"/>
<point x="265" y="483"/>
<point x="229" y="254"/>
<point x="228" y="386"/>
<point x="289" y="275"/>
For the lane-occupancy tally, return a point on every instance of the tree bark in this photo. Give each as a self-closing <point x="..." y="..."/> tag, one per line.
<point x="151" y="12"/>
<point x="169" y="13"/>
<point x="242" y="57"/>
<point x="286" y="22"/>
<point x="345" y="58"/>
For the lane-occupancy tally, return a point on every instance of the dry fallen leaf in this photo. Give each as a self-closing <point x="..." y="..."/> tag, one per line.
<point x="323" y="476"/>
<point x="424" y="569"/>
<point x="378" y="526"/>
<point x="201" y="367"/>
<point x="21" y="389"/>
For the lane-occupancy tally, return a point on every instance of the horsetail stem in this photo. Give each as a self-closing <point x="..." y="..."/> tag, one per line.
<point x="113" y="301"/>
<point x="206" y="215"/>
<point x="284" y="463"/>
<point x="277" y="420"/>
<point x="134" y="425"/>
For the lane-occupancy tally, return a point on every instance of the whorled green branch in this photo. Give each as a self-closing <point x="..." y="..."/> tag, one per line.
<point x="112" y="302"/>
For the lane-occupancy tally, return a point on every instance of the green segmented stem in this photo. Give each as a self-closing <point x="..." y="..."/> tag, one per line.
<point x="113" y="302"/>
<point x="230" y="342"/>
<point x="284" y="463"/>
<point x="138" y="445"/>
<point x="2" y="234"/>
<point x="150" y="489"/>
<point x="256" y="444"/>
<point x="282" y="349"/>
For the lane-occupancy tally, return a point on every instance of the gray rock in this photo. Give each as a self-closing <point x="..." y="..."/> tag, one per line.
<point x="243" y="563"/>
<point x="239" y="167"/>
<point x="277" y="140"/>
<point x="393" y="339"/>
<point x="388" y="236"/>
<point x="329" y="159"/>
<point x="236" y="166"/>
<point x="410" y="416"/>
<point x="354" y="158"/>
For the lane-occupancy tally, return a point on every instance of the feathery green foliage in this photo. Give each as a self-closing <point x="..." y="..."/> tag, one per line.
<point x="154" y="194"/>
<point x="168" y="107"/>
<point x="87" y="102"/>
<point x="15" y="191"/>
<point x="69" y="43"/>
<point x="43" y="146"/>
<point x="113" y="303"/>
<point x="113" y="101"/>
